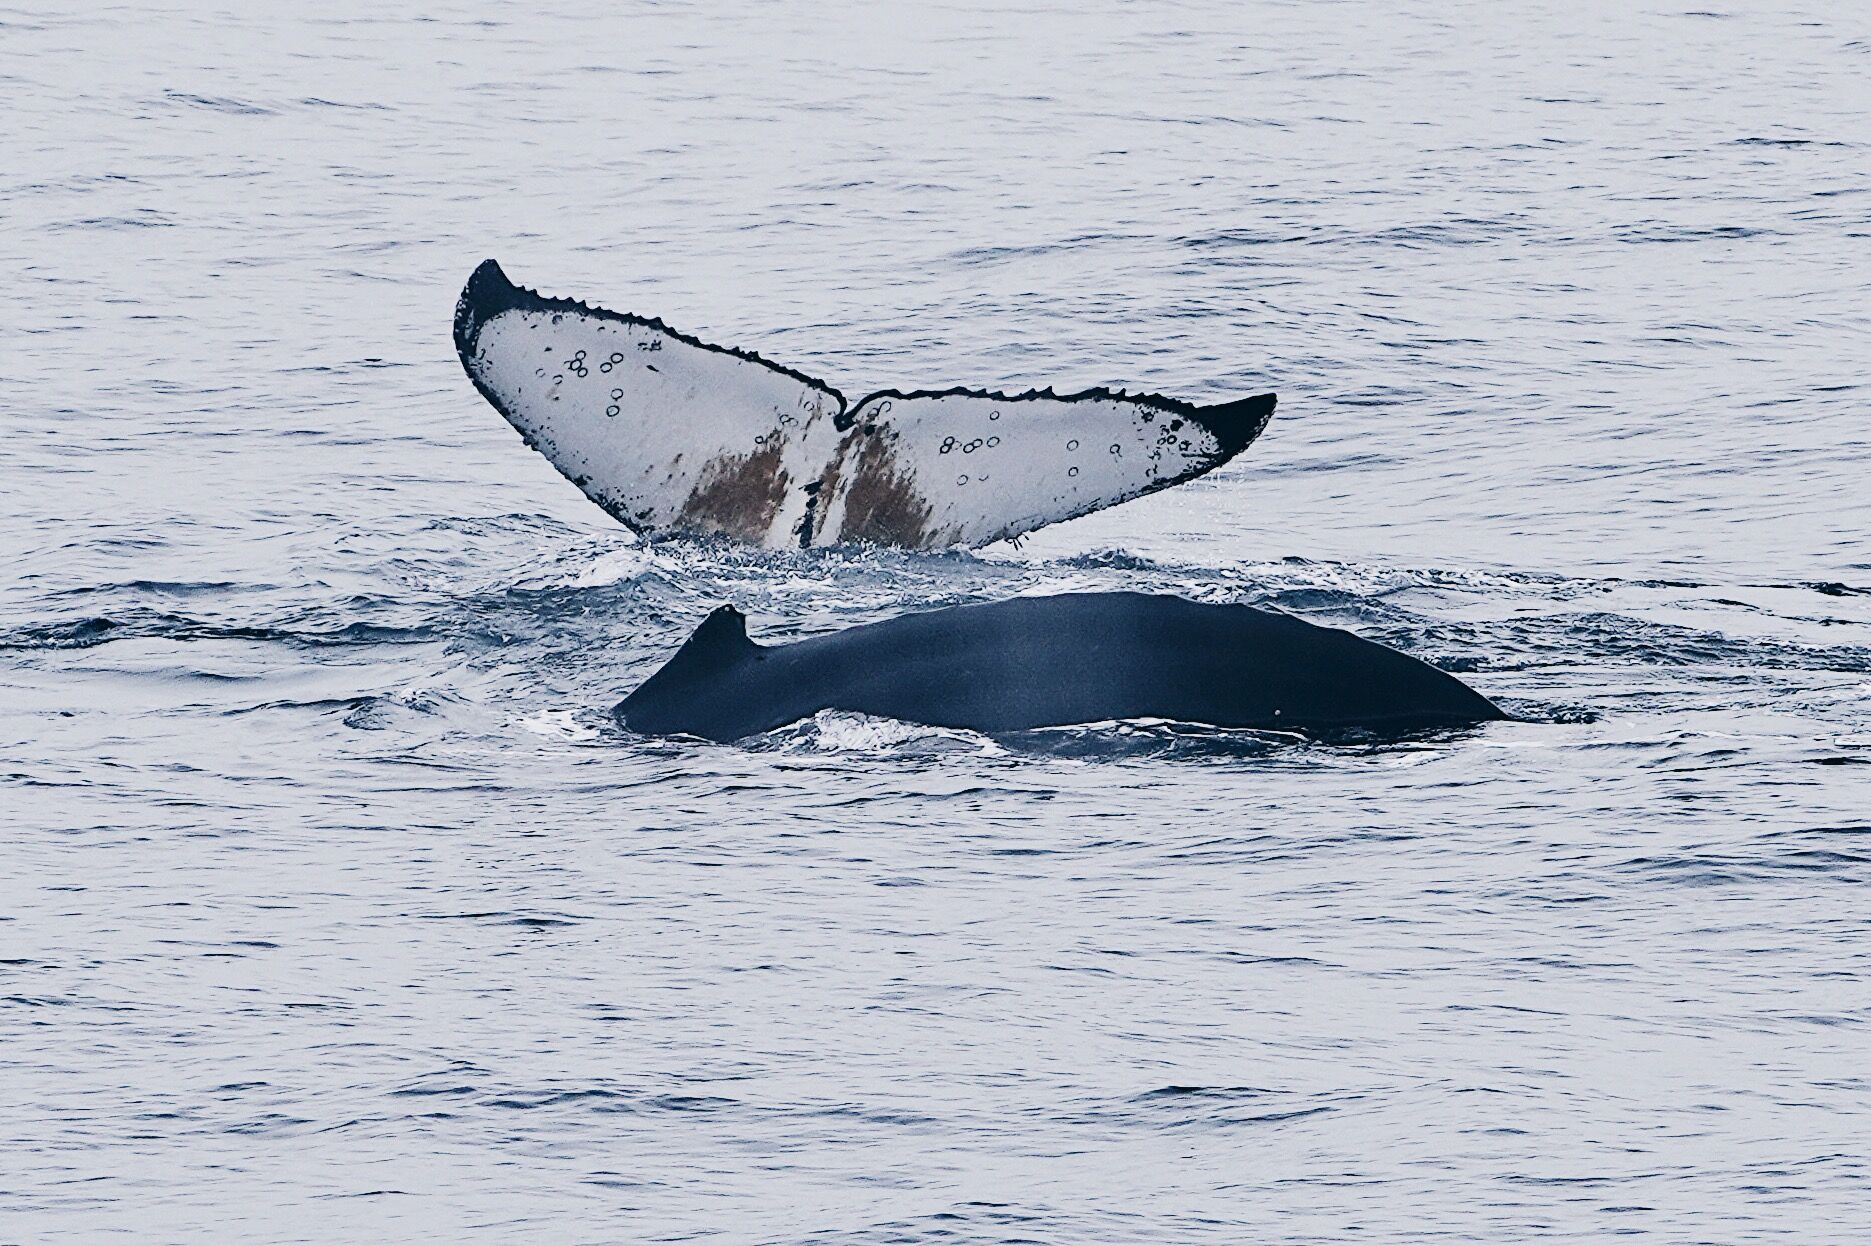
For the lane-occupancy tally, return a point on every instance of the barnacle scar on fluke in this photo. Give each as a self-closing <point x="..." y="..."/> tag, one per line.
<point x="674" y="436"/>
<point x="1055" y="661"/>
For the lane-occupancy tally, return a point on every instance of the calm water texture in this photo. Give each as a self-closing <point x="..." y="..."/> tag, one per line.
<point x="335" y="908"/>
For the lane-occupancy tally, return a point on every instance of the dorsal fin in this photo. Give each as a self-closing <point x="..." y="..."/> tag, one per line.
<point x="721" y="640"/>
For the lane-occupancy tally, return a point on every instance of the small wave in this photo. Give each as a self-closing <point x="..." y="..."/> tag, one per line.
<point x="1656" y="231"/>
<point x="609" y="1099"/>
<point x="175" y="588"/>
<point x="1787" y="142"/>
<point x="144" y="218"/>
<point x="525" y="921"/>
<point x="1249" y="237"/>
<point x="313" y="101"/>
<point x="1623" y="640"/>
<point x="996" y="254"/>
<point x="1844" y="863"/>
<point x="1193" y="1107"/>
<point x="94" y="630"/>
<point x="350" y="705"/>
<point x="217" y="103"/>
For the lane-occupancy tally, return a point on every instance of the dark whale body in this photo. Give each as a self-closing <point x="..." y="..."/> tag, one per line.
<point x="1052" y="661"/>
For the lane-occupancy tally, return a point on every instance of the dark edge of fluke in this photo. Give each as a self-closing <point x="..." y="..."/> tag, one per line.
<point x="489" y="292"/>
<point x="1234" y="424"/>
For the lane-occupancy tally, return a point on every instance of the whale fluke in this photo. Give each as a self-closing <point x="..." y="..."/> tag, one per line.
<point x="674" y="436"/>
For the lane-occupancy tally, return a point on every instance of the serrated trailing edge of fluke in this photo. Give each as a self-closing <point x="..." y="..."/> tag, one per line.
<point x="489" y="291"/>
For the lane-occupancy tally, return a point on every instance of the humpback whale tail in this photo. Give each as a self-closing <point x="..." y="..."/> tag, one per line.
<point x="673" y="435"/>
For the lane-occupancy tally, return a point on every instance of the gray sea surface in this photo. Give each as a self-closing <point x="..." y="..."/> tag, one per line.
<point x="335" y="907"/>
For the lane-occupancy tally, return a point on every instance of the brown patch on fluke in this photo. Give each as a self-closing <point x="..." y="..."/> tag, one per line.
<point x="737" y="495"/>
<point x="882" y="505"/>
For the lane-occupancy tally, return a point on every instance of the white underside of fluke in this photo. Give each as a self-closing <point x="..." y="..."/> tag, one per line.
<point x="674" y="436"/>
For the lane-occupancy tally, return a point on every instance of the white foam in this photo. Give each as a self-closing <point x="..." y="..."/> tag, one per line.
<point x="558" y="725"/>
<point x="621" y="564"/>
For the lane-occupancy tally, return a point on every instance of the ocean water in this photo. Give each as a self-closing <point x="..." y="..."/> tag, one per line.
<point x="334" y="907"/>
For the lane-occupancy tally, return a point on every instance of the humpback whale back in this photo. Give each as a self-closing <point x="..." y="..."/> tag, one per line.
<point x="1052" y="661"/>
<point x="672" y="435"/>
